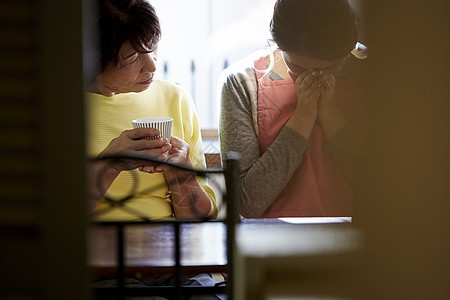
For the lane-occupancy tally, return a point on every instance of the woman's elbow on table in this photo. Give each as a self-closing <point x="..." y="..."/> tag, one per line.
<point x="248" y="209"/>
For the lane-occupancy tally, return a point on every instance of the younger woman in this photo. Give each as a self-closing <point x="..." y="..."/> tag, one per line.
<point x="284" y="111"/>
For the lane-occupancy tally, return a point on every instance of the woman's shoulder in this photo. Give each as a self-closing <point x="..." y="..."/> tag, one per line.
<point x="167" y="89"/>
<point x="244" y="67"/>
<point x="166" y="86"/>
<point x="171" y="93"/>
<point x="243" y="72"/>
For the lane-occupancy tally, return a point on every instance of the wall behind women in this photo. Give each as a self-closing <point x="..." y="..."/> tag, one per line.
<point x="201" y="37"/>
<point x="207" y="36"/>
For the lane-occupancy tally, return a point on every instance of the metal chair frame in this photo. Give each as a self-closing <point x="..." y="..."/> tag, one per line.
<point x="230" y="197"/>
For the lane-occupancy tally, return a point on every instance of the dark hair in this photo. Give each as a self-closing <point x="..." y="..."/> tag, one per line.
<point x="322" y="29"/>
<point x="121" y="21"/>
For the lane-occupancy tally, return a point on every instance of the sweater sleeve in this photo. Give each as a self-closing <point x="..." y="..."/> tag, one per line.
<point x="264" y="176"/>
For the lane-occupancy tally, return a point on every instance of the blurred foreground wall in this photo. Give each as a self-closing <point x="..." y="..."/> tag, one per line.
<point x="403" y="190"/>
<point x="42" y="195"/>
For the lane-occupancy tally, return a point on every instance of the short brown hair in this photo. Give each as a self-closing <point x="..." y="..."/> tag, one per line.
<point x="121" y="21"/>
<point x="323" y="29"/>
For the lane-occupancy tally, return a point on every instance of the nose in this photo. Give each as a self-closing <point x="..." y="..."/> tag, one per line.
<point x="149" y="63"/>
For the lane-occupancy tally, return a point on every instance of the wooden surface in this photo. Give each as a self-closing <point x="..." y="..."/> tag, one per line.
<point x="149" y="248"/>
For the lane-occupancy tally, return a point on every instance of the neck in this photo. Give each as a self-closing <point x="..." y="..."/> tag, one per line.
<point x="92" y="88"/>
<point x="279" y="66"/>
<point x="97" y="88"/>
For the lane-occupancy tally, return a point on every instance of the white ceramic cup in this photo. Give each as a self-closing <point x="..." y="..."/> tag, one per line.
<point x="164" y="125"/>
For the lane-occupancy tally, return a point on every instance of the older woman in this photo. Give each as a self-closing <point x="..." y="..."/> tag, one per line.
<point x="125" y="90"/>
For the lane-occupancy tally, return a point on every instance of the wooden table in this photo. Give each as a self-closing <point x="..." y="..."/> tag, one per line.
<point x="149" y="248"/>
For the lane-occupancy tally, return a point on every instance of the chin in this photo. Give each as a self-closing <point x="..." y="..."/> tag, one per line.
<point x="140" y="88"/>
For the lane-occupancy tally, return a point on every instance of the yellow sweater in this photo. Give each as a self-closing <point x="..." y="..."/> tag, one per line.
<point x="109" y="116"/>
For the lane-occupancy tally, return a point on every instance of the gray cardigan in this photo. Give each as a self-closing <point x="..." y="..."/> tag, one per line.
<point x="264" y="176"/>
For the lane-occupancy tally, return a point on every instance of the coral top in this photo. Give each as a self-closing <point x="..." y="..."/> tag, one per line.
<point x="317" y="187"/>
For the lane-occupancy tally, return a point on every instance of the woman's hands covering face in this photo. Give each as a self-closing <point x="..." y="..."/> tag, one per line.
<point x="315" y="91"/>
<point x="308" y="90"/>
<point x="328" y="88"/>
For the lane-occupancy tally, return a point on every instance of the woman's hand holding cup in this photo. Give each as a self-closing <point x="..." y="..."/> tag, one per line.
<point x="137" y="142"/>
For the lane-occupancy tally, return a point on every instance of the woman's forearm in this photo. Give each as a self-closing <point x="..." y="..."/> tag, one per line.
<point x="267" y="176"/>
<point x="264" y="176"/>
<point x="189" y="199"/>
<point x="301" y="124"/>
<point x="100" y="176"/>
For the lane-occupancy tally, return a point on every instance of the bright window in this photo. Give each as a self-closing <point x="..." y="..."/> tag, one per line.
<point x="201" y="37"/>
